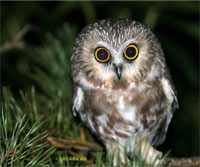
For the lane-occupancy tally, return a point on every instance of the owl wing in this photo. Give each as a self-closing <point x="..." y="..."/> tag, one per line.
<point x="172" y="106"/>
<point x="77" y="99"/>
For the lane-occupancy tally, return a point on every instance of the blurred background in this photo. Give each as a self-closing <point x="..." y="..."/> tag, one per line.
<point x="42" y="57"/>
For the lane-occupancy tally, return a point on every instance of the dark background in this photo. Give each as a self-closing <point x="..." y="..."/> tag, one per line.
<point x="176" y="25"/>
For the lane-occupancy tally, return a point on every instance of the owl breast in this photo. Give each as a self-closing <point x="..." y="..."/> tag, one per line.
<point x="122" y="114"/>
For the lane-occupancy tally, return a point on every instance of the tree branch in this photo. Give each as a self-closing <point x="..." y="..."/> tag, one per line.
<point x="17" y="42"/>
<point x="83" y="146"/>
<point x="69" y="143"/>
<point x="182" y="162"/>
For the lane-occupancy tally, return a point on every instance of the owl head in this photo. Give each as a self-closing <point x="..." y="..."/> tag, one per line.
<point x="115" y="52"/>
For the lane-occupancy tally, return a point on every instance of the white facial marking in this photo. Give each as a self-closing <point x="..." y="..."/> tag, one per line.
<point x="125" y="44"/>
<point x="107" y="46"/>
<point x="154" y="72"/>
<point x="81" y="79"/>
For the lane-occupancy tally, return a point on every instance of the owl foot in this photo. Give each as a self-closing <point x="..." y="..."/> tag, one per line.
<point x="149" y="154"/>
<point x="118" y="155"/>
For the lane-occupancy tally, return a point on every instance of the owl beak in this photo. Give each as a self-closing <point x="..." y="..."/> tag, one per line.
<point x="118" y="70"/>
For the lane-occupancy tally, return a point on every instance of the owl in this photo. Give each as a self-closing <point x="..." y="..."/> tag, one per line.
<point x="122" y="88"/>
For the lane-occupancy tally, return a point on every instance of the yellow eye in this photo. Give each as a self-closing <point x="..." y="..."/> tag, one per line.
<point x="131" y="52"/>
<point x="102" y="55"/>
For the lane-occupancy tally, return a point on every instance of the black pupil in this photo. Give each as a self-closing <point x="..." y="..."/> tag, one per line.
<point x="102" y="54"/>
<point x="130" y="52"/>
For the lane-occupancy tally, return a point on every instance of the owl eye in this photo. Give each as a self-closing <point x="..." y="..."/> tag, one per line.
<point x="102" y="55"/>
<point x="131" y="52"/>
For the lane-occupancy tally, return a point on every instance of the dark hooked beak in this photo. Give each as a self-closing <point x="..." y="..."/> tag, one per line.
<point x="118" y="70"/>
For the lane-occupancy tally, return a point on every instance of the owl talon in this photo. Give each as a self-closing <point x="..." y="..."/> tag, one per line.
<point x="149" y="154"/>
<point x="157" y="163"/>
<point x="118" y="154"/>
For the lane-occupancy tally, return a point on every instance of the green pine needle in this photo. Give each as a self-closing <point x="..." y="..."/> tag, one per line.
<point x="20" y="145"/>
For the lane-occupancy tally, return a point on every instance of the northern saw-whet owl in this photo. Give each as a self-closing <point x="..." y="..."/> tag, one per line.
<point x="122" y="87"/>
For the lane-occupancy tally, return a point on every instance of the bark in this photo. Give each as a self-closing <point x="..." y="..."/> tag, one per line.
<point x="83" y="147"/>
